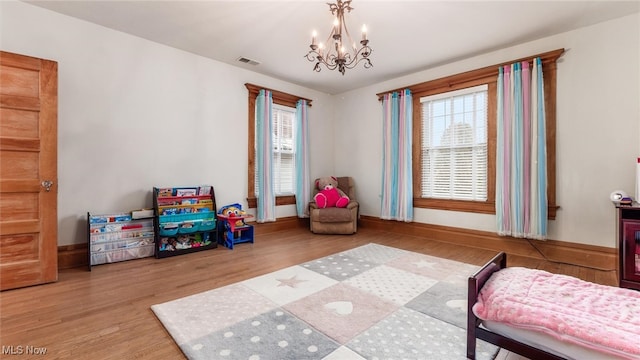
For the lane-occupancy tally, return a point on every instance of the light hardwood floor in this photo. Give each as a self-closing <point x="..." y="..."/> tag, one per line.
<point x="105" y="313"/>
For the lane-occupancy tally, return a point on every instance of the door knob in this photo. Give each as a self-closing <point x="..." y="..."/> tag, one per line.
<point x="47" y="185"/>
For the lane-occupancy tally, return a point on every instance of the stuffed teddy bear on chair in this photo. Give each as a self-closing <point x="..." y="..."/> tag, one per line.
<point x="329" y="195"/>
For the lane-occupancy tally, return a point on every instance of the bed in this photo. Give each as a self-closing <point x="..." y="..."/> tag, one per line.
<point x="601" y="322"/>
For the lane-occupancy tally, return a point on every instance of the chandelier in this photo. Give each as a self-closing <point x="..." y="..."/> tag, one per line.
<point x="343" y="53"/>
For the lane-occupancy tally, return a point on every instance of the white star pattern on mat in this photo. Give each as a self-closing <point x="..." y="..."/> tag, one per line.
<point x="298" y="283"/>
<point x="292" y="282"/>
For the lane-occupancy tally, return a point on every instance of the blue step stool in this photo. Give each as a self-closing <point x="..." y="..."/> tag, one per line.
<point x="237" y="235"/>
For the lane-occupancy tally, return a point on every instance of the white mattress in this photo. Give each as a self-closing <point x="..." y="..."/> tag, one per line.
<point x="549" y="344"/>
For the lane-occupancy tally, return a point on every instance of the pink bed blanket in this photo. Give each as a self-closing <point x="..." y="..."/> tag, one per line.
<point x="600" y="317"/>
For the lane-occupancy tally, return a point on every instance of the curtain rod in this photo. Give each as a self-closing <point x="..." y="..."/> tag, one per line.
<point x="547" y="57"/>
<point x="275" y="93"/>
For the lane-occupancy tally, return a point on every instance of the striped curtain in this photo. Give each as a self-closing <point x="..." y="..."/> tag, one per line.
<point x="266" y="210"/>
<point x="397" y="180"/>
<point x="521" y="161"/>
<point x="303" y="188"/>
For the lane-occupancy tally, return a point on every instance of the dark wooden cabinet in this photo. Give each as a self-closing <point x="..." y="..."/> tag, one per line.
<point x="629" y="246"/>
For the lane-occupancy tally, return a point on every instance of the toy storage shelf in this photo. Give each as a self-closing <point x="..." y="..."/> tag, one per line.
<point x="185" y="220"/>
<point x="119" y="237"/>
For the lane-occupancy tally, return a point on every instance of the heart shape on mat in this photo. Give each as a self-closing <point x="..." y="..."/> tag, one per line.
<point x="340" y="307"/>
<point x="457" y="304"/>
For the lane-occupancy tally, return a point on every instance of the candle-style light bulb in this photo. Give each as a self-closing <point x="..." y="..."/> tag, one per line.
<point x="364" y="32"/>
<point x="320" y="48"/>
<point x="314" y="34"/>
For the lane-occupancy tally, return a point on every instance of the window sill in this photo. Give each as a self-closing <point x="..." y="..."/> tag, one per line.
<point x="456" y="205"/>
<point x="280" y="200"/>
<point x="487" y="207"/>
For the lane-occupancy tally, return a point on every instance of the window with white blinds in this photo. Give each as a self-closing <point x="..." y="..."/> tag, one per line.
<point x="283" y="150"/>
<point x="454" y="145"/>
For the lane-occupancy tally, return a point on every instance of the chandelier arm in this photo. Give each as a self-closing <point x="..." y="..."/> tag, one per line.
<point x="330" y="66"/>
<point x="331" y="61"/>
<point x="356" y="60"/>
<point x="367" y="63"/>
<point x="311" y="55"/>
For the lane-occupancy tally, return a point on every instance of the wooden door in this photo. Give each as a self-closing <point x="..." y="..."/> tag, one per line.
<point x="28" y="171"/>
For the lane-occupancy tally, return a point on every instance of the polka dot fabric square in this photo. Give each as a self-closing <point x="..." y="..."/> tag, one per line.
<point x="375" y="253"/>
<point x="340" y="266"/>
<point x="272" y="335"/>
<point x="391" y="284"/>
<point x="212" y="310"/>
<point x="407" y="334"/>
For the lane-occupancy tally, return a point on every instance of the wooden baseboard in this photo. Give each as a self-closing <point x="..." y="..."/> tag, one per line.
<point x="72" y="256"/>
<point x="598" y="257"/>
<point x="602" y="258"/>
<point x="281" y="224"/>
<point x="75" y="255"/>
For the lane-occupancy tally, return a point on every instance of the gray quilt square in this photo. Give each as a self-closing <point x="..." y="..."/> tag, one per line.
<point x="273" y="335"/>
<point x="444" y="301"/>
<point x="376" y="253"/>
<point x="408" y="334"/>
<point x="339" y="266"/>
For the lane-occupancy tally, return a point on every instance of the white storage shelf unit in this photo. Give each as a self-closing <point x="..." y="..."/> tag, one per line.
<point x="119" y="237"/>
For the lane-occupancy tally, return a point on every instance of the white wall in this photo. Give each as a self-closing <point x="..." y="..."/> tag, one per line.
<point x="133" y="114"/>
<point x="598" y="127"/>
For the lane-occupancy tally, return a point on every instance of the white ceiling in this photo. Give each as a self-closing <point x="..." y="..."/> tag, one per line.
<point x="406" y="36"/>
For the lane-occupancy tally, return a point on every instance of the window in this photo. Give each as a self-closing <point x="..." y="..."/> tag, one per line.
<point x="283" y="150"/>
<point x="448" y="161"/>
<point x="283" y="104"/>
<point x="454" y="145"/>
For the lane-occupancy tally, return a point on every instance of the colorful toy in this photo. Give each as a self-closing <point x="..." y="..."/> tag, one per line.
<point x="183" y="242"/>
<point x="234" y="210"/>
<point x="234" y="229"/>
<point x="196" y="241"/>
<point x="329" y="195"/>
<point x="165" y="246"/>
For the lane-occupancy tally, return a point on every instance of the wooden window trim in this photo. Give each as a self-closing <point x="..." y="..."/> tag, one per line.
<point x="280" y="98"/>
<point x="487" y="75"/>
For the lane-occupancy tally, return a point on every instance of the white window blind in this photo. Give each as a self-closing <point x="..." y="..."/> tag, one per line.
<point x="454" y="145"/>
<point x="283" y="151"/>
